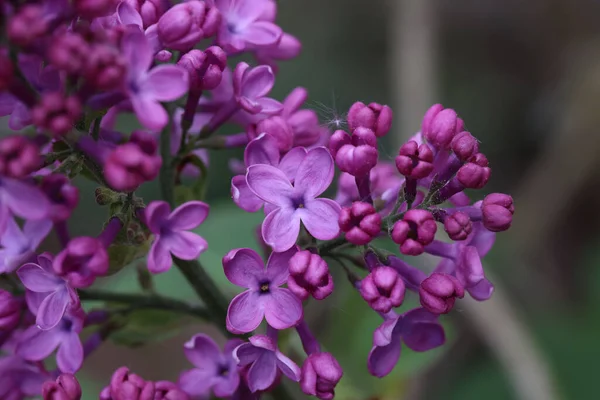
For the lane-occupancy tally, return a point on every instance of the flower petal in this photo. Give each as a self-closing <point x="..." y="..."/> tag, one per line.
<point x="482" y="239"/>
<point x="288" y="367"/>
<point x="382" y="360"/>
<point x="320" y="217"/>
<point x="469" y="270"/>
<point x="36" y="279"/>
<point x="244" y="267"/>
<point x="24" y="200"/>
<point x="149" y="112"/>
<point x="482" y="291"/>
<point x="165" y="83"/>
<point x="423" y="336"/>
<point x="290" y="162"/>
<point x="36" y="344"/>
<point x="268" y="105"/>
<point x="270" y="184"/>
<point x="137" y="52"/>
<point x="13" y="239"/>
<point x="245" y="312"/>
<point x="188" y="215"/>
<point x="257" y="82"/>
<point x="282" y="308"/>
<point x="184" y="245"/>
<point x="263" y="372"/>
<point x="70" y="354"/>
<point x="36" y="231"/>
<point x="52" y="309"/>
<point x="277" y="266"/>
<point x="127" y="15"/>
<point x="159" y="257"/>
<point x="196" y="382"/>
<point x="315" y="173"/>
<point x="262" y="150"/>
<point x="280" y="228"/>
<point x="155" y="214"/>
<point x="203" y="352"/>
<point x="243" y="196"/>
<point x="227" y="385"/>
<point x="246" y="354"/>
<point x="262" y="33"/>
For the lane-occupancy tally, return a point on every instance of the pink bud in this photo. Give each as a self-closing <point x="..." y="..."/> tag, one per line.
<point x="81" y="261"/>
<point x="276" y="127"/>
<point x="126" y="386"/>
<point x="56" y="113"/>
<point x="68" y="52"/>
<point x="440" y="126"/>
<point x="320" y="374"/>
<point x="415" y="161"/>
<point x="375" y="117"/>
<point x="90" y="9"/>
<point x="27" y="25"/>
<point x="476" y="173"/>
<point x="361" y="222"/>
<point x="104" y="67"/>
<point x="415" y="231"/>
<point x="19" y="156"/>
<point x="458" y="225"/>
<point x="309" y="275"/>
<point x="205" y="68"/>
<point x="66" y="387"/>
<point x="497" y="211"/>
<point x="10" y="311"/>
<point x="383" y="289"/>
<point x="186" y="24"/>
<point x="355" y="154"/>
<point x="464" y="145"/>
<point x="438" y="293"/>
<point x="166" y="390"/>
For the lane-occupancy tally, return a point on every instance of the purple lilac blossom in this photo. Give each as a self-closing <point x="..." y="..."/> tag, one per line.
<point x="19" y="246"/>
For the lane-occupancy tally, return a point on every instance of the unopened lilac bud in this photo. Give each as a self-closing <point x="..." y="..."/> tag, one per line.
<point x="415" y="161"/>
<point x="375" y="117"/>
<point x="361" y="222"/>
<point x="205" y="68"/>
<point x="150" y="10"/>
<point x="104" y="67"/>
<point x="27" y="25"/>
<point x="476" y="173"/>
<point x="465" y="146"/>
<point x="62" y="194"/>
<point x="82" y="260"/>
<point x="440" y="126"/>
<point x="89" y="9"/>
<point x="309" y="275"/>
<point x="186" y="24"/>
<point x="68" y="52"/>
<point x="126" y="386"/>
<point x="458" y="225"/>
<point x="66" y="387"/>
<point x="276" y="127"/>
<point x="19" y="156"/>
<point x="133" y="163"/>
<point x="383" y="289"/>
<point x="10" y="311"/>
<point x="497" y="212"/>
<point x="166" y="390"/>
<point x="439" y="291"/>
<point x="321" y="372"/>
<point x="355" y="154"/>
<point x="415" y="231"/>
<point x="56" y="113"/>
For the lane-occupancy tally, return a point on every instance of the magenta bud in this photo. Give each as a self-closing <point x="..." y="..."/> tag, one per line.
<point x="439" y="291"/>
<point x="133" y="163"/>
<point x="321" y="372"/>
<point x="62" y="195"/>
<point x="27" y="25"/>
<point x="66" y="387"/>
<point x="205" y="68"/>
<point x="104" y="67"/>
<point x="361" y="222"/>
<point x="357" y="154"/>
<point x="166" y="390"/>
<point x="309" y="275"/>
<point x="476" y="173"/>
<point x="375" y="117"/>
<point x="19" y="156"/>
<point x="10" y="311"/>
<point x="56" y="113"/>
<point x="276" y="127"/>
<point x="440" y="125"/>
<point x="81" y="261"/>
<point x="126" y="386"/>
<point x="383" y="289"/>
<point x="464" y="145"/>
<point x="150" y="10"/>
<point x="415" y="161"/>
<point x="68" y="52"/>
<point x="497" y="212"/>
<point x="415" y="231"/>
<point x="186" y="24"/>
<point x="458" y="225"/>
<point x="90" y="9"/>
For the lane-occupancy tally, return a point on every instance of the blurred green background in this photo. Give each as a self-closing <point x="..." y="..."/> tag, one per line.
<point x="525" y="76"/>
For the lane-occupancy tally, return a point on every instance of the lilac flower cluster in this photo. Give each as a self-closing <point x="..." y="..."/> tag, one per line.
<point x="68" y="70"/>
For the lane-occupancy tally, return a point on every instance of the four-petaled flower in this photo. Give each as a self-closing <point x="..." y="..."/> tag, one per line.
<point x="19" y="245"/>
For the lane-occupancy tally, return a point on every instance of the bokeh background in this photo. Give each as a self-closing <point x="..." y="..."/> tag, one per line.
<point x="525" y="76"/>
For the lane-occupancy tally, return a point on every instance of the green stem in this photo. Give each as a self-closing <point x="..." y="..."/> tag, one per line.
<point x="145" y="301"/>
<point x="326" y="247"/>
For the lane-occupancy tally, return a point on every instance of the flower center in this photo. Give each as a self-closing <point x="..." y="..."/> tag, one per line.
<point x="223" y="370"/>
<point x="264" y="287"/>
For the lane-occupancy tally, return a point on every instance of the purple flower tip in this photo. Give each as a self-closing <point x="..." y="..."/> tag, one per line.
<point x="439" y="291"/>
<point x="361" y="222"/>
<point x="309" y="275"/>
<point x="416" y="230"/>
<point x="383" y="289"/>
<point x="321" y="372"/>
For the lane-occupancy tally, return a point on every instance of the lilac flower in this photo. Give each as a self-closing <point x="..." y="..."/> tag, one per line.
<point x="251" y="85"/>
<point x="65" y="387"/>
<point x="243" y="25"/>
<point x="56" y="293"/>
<point x="417" y="328"/>
<point x="37" y="344"/>
<point x="18" y="246"/>
<point x="321" y="372"/>
<point x="171" y="236"/>
<point x="264" y="297"/>
<point x="20" y="378"/>
<point x="286" y="48"/>
<point x="81" y="261"/>
<point x="21" y="199"/>
<point x="361" y="222"/>
<point x="126" y="385"/>
<point x="438" y="293"/>
<point x="296" y="203"/>
<point x="263" y="150"/>
<point x="214" y="370"/>
<point x="147" y="88"/>
<point x="265" y="361"/>
<point x="309" y="275"/>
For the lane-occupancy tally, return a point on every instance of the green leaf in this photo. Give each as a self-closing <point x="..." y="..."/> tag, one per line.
<point x="145" y="326"/>
<point x="121" y="255"/>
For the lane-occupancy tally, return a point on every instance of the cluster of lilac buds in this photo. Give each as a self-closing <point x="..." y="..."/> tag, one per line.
<point x="70" y="70"/>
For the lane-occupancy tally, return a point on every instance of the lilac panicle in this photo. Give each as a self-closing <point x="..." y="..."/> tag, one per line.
<point x="65" y="387"/>
<point x="265" y="361"/>
<point x="214" y="370"/>
<point x="54" y="292"/>
<point x="296" y="203"/>
<point x="171" y="233"/>
<point x="321" y="372"/>
<point x="19" y="246"/>
<point x="264" y="298"/>
<point x="309" y="276"/>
